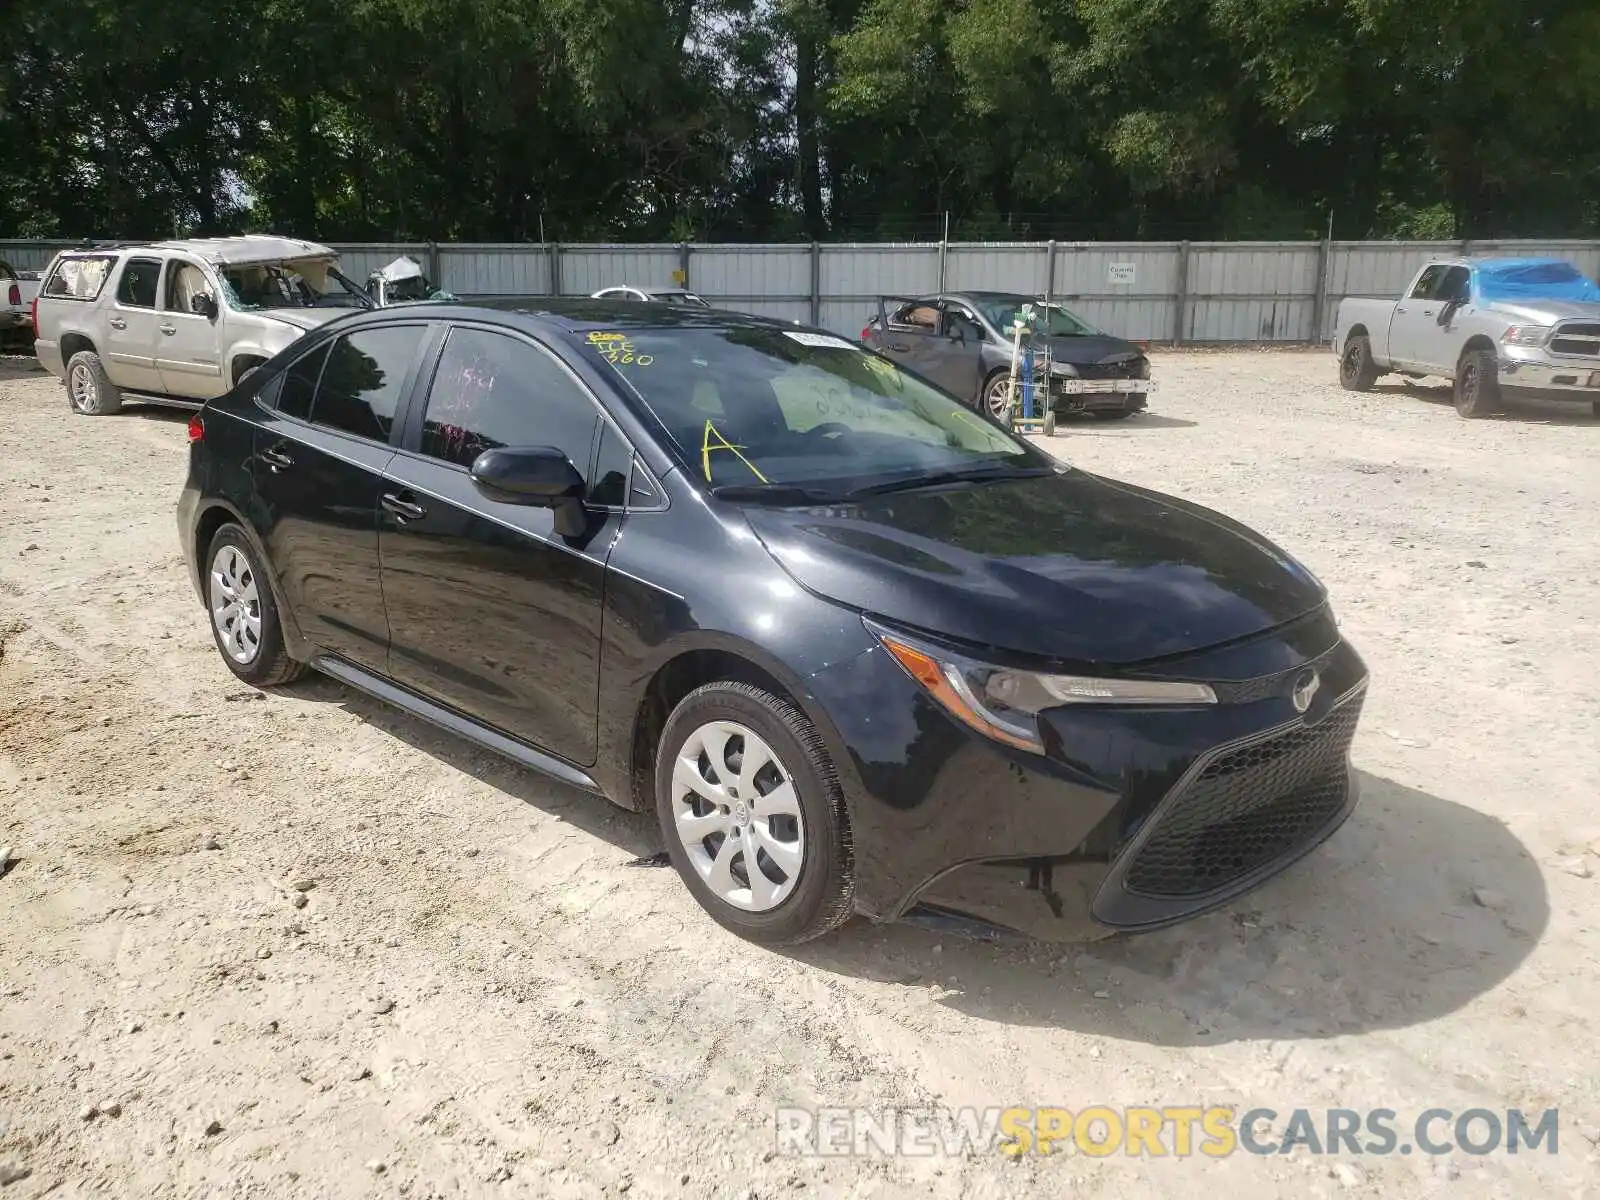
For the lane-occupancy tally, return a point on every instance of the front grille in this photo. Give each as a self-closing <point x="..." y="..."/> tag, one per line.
<point x="1247" y="808"/>
<point x="1120" y="370"/>
<point x="1580" y="338"/>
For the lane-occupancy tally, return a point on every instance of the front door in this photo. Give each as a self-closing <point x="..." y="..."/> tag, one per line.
<point x="189" y="355"/>
<point x="1414" y="317"/>
<point x="318" y="466"/>
<point x="1439" y="339"/>
<point x="130" y="358"/>
<point x="491" y="611"/>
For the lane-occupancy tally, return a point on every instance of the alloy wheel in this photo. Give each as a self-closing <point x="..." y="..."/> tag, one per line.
<point x="998" y="398"/>
<point x="736" y="812"/>
<point x="235" y="605"/>
<point x="83" y="389"/>
<point x="1351" y="364"/>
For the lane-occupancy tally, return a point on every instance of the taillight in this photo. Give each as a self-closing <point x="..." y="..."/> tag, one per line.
<point x="197" y="428"/>
<point x="16" y="294"/>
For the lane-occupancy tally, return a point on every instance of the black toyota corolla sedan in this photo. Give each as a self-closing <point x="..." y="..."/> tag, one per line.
<point x="860" y="648"/>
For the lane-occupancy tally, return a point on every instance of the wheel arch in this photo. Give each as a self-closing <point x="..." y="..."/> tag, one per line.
<point x="212" y="515"/>
<point x="75" y="343"/>
<point x="1355" y="331"/>
<point x="1478" y="341"/>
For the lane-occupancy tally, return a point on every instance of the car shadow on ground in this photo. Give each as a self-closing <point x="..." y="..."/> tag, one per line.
<point x="1548" y="412"/>
<point x="161" y="414"/>
<point x="1416" y="908"/>
<point x="17" y="366"/>
<point x="636" y="834"/>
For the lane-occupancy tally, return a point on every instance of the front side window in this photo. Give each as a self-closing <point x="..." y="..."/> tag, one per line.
<point x="762" y="405"/>
<point x="364" y="380"/>
<point x="185" y="282"/>
<point x="1426" y="282"/>
<point x="79" y="277"/>
<point x="137" y="287"/>
<point x="494" y="390"/>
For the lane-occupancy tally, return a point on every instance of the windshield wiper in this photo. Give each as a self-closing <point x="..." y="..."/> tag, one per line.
<point x="774" y="493"/>
<point x="940" y="478"/>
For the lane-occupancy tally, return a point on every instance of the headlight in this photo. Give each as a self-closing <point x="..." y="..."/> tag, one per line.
<point x="1004" y="704"/>
<point x="1525" y="335"/>
<point x="1067" y="369"/>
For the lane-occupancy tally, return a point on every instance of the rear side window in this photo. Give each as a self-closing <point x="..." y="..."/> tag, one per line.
<point x="79" y="277"/>
<point x="137" y="287"/>
<point x="300" y="384"/>
<point x="364" y="379"/>
<point x="493" y="390"/>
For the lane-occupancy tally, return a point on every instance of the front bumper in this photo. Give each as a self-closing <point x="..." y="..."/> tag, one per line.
<point x="1534" y="370"/>
<point x="1132" y="819"/>
<point x="1095" y="387"/>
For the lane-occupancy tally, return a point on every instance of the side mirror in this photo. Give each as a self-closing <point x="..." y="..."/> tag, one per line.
<point x="205" y="305"/>
<point x="535" y="476"/>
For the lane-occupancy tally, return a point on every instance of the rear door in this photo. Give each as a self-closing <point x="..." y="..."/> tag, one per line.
<point x="131" y="325"/>
<point x="189" y="356"/>
<point x="318" y="467"/>
<point x="491" y="611"/>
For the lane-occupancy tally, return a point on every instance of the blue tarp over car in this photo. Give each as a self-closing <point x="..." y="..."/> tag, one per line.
<point x="1534" y="279"/>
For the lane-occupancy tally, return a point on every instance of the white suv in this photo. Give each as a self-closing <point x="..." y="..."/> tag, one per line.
<point x="180" y="322"/>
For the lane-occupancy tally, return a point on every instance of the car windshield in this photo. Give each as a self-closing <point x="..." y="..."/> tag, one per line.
<point x="1002" y="311"/>
<point x="751" y="407"/>
<point x="307" y="283"/>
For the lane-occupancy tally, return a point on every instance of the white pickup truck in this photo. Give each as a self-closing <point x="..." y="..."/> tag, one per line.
<point x="1491" y="326"/>
<point x="17" y="290"/>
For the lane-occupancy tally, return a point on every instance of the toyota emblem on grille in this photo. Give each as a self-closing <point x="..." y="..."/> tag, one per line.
<point x="1305" y="688"/>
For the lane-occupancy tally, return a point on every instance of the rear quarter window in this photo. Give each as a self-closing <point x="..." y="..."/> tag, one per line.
<point x="78" y="277"/>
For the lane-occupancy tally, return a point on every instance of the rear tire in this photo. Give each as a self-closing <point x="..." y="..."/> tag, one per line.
<point x="712" y="811"/>
<point x="244" y="615"/>
<point x="1477" y="384"/>
<point x="90" y="391"/>
<point x="1357" y="371"/>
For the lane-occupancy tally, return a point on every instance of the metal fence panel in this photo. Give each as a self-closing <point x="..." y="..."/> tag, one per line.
<point x="588" y="268"/>
<point x="497" y="271"/>
<point x="997" y="268"/>
<point x="863" y="271"/>
<point x="1201" y="291"/>
<point x="729" y="275"/>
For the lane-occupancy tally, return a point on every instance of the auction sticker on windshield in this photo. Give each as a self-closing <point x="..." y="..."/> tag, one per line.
<point x="823" y="341"/>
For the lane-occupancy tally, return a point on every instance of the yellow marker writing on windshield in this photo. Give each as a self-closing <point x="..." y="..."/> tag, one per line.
<point x="715" y="441"/>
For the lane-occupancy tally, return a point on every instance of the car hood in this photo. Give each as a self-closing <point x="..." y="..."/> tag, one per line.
<point x="1546" y="312"/>
<point x="1069" y="567"/>
<point x="301" y="318"/>
<point x="1094" y="348"/>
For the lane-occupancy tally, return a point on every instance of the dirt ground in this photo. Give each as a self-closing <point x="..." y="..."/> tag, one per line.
<point x="479" y="992"/>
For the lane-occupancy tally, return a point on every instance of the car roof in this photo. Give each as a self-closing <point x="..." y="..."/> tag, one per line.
<point x="225" y="251"/>
<point x="577" y="315"/>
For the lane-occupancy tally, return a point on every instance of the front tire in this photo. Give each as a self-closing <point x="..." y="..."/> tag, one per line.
<point x="1357" y="371"/>
<point x="1477" y="384"/>
<point x="244" y="616"/>
<point x="89" y="389"/>
<point x="995" y="398"/>
<point x="752" y="814"/>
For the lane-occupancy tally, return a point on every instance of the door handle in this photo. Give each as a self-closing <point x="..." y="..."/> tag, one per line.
<point x="117" y="323"/>
<point x="276" y="459"/>
<point x="406" y="510"/>
<point x="169" y="329"/>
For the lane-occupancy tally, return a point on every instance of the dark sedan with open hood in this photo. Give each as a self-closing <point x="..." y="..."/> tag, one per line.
<point x="963" y="342"/>
<point x="858" y="647"/>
